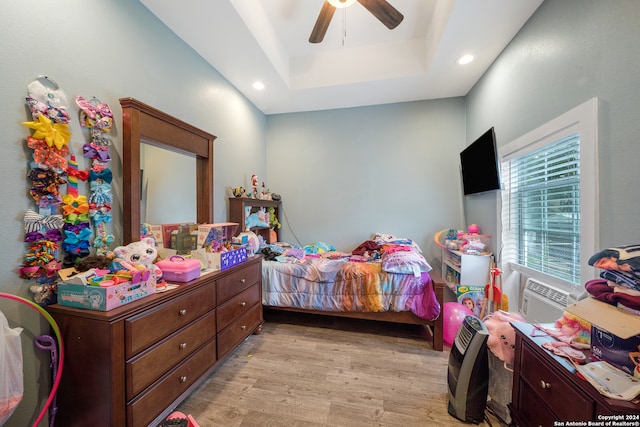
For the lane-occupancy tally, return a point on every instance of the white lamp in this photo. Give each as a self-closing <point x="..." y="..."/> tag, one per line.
<point x="341" y="3"/>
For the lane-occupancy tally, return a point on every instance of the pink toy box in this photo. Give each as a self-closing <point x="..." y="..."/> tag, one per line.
<point x="179" y="269"/>
<point x="104" y="298"/>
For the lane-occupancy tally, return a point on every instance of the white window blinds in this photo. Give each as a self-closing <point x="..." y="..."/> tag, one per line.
<point x="541" y="209"/>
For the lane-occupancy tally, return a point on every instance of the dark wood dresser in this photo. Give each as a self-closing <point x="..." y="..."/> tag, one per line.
<point x="547" y="389"/>
<point x="130" y="366"/>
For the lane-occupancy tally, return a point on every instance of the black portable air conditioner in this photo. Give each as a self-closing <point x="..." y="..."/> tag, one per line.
<point x="468" y="375"/>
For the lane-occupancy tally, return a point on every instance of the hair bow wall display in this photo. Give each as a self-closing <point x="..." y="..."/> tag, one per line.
<point x="50" y="144"/>
<point x="63" y="222"/>
<point x="97" y="117"/>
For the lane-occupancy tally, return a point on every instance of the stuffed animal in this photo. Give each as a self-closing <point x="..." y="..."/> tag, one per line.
<point x="140" y="254"/>
<point x="253" y="219"/>
<point x="273" y="219"/>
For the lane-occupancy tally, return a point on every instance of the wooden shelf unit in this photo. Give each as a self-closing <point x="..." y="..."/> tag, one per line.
<point x="458" y="267"/>
<point x="237" y="207"/>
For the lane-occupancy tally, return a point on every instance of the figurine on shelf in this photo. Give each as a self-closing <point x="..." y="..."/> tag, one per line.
<point x="238" y="192"/>
<point x="254" y="183"/>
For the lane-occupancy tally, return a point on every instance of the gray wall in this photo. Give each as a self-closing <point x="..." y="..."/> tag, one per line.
<point x="108" y="49"/>
<point x="569" y="52"/>
<point x="347" y="174"/>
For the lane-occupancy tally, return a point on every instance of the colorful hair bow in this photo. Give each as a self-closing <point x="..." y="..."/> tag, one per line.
<point x="49" y="270"/>
<point x="75" y="227"/>
<point x="54" y="133"/>
<point x="93" y="153"/>
<point x="56" y="114"/>
<point x="101" y="197"/>
<point x="101" y="218"/>
<point x="52" y="235"/>
<point x="102" y="242"/>
<point x="105" y="175"/>
<point x="94" y="109"/>
<point x="79" y="249"/>
<point x="82" y="175"/>
<point x="98" y="166"/>
<point x="74" y="218"/>
<point x="45" y="177"/>
<point x="33" y="221"/>
<point x="47" y="157"/>
<point x="94" y="208"/>
<point x="69" y="199"/>
<point x="73" y="209"/>
<point x="73" y="238"/>
<point x="42" y="252"/>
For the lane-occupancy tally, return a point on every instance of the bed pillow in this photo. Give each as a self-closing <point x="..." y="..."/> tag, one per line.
<point x="405" y="262"/>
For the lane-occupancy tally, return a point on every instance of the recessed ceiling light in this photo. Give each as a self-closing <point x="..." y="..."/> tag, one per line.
<point x="258" y="85"/>
<point x="465" y="59"/>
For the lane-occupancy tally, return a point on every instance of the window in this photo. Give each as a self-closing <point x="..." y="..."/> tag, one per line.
<point x="550" y="198"/>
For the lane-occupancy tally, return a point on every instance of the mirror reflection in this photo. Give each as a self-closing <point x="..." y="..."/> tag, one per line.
<point x="168" y="186"/>
<point x="172" y="137"/>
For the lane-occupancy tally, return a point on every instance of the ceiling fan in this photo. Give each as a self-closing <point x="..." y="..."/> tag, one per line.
<point x="381" y="9"/>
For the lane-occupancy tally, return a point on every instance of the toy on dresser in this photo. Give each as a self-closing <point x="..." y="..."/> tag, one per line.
<point x="138" y="256"/>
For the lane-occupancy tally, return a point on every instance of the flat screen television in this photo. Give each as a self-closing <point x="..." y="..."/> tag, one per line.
<point x="479" y="165"/>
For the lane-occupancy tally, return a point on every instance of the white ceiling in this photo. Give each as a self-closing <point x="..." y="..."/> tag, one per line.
<point x="267" y="40"/>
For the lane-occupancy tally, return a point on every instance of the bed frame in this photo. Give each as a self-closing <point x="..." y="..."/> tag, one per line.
<point x="435" y="327"/>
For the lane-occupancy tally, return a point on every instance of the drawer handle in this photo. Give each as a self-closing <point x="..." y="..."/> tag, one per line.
<point x="242" y="281"/>
<point x="545" y="385"/>
<point x="243" y="327"/>
<point x="183" y="345"/>
<point x="182" y="312"/>
<point x="242" y="304"/>
<point x="183" y="378"/>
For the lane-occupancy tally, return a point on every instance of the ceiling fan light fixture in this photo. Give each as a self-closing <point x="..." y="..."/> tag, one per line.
<point x="340" y="4"/>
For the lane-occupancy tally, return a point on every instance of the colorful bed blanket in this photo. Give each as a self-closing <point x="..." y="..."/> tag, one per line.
<point x="339" y="285"/>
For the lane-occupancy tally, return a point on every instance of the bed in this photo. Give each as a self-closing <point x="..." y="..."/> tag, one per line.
<point x="337" y="285"/>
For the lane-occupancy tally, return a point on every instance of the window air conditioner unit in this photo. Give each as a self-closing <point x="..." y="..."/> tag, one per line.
<point x="543" y="303"/>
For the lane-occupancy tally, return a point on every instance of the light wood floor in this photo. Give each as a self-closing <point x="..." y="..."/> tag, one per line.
<point x="319" y="371"/>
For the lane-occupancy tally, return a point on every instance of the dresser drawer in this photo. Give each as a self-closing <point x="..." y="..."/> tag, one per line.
<point x="566" y="402"/>
<point x="238" y="330"/>
<point x="144" y="409"/>
<point x="533" y="410"/>
<point x="237" y="306"/>
<point x="153" y="325"/>
<point x="148" y="366"/>
<point x="231" y="285"/>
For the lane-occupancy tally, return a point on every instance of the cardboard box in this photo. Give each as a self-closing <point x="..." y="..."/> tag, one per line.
<point x="103" y="299"/>
<point x="220" y="232"/>
<point x="225" y="260"/>
<point x="156" y="233"/>
<point x="168" y="229"/>
<point x="471" y="296"/>
<point x="615" y="334"/>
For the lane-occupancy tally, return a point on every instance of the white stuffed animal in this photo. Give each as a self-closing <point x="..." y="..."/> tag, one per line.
<point x="141" y="253"/>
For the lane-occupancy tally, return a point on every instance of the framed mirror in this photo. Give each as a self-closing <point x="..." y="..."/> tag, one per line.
<point x="143" y="124"/>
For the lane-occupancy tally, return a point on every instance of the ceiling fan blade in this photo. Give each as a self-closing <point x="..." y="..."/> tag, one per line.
<point x="385" y="13"/>
<point x="322" y="23"/>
